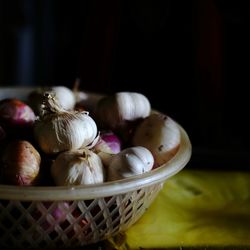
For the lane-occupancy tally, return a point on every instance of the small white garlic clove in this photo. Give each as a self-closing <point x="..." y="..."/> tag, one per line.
<point x="113" y="112"/>
<point x="160" y="134"/>
<point x="129" y="162"/>
<point x="78" y="167"/>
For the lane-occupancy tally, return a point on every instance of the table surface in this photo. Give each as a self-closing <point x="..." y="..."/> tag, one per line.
<point x="196" y="209"/>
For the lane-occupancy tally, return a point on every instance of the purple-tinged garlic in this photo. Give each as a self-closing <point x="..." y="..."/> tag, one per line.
<point x="130" y="162"/>
<point x="20" y="163"/>
<point x="59" y="130"/>
<point x="160" y="134"/>
<point x="77" y="167"/>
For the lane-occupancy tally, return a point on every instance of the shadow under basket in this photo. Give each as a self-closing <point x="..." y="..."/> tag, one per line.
<point x="59" y="217"/>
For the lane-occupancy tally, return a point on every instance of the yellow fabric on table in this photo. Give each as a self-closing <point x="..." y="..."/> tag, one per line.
<point x="196" y="208"/>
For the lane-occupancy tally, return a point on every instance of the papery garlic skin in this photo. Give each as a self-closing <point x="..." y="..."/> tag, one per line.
<point x="78" y="167"/>
<point x="160" y="134"/>
<point x="65" y="132"/>
<point x="59" y="130"/>
<point x="113" y="111"/>
<point x="65" y="97"/>
<point x="129" y="162"/>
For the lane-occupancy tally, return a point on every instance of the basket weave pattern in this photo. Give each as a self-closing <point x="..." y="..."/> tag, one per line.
<point x="58" y="217"/>
<point x="39" y="224"/>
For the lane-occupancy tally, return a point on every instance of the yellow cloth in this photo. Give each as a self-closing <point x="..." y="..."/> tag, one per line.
<point x="196" y="208"/>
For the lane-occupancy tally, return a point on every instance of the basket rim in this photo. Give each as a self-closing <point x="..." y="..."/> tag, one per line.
<point x="111" y="188"/>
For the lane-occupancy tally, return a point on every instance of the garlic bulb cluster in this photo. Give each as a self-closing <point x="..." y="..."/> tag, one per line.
<point x="160" y="134"/>
<point x="123" y="138"/>
<point x="65" y="97"/>
<point x="114" y="111"/>
<point x="129" y="162"/>
<point x="59" y="130"/>
<point x="77" y="167"/>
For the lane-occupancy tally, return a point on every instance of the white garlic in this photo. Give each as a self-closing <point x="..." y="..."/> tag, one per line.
<point x="113" y="111"/>
<point x="160" y="134"/>
<point x="79" y="167"/>
<point x="59" y="130"/>
<point x="65" y="97"/>
<point x="129" y="162"/>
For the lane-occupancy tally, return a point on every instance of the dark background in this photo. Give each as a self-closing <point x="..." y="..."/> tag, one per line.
<point x="190" y="58"/>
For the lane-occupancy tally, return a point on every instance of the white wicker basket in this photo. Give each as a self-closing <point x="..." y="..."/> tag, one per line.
<point x="58" y="217"/>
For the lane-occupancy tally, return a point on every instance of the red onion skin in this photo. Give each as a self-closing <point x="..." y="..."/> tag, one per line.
<point x="20" y="164"/>
<point x="60" y="211"/>
<point x="15" y="113"/>
<point x="111" y="140"/>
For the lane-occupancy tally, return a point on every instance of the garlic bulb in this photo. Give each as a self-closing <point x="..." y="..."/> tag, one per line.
<point x="59" y="130"/>
<point x="129" y="162"/>
<point x="160" y="134"/>
<point x="78" y="167"/>
<point x="114" y="111"/>
<point x="65" y="97"/>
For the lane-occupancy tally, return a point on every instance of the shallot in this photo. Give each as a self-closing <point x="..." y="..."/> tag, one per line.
<point x="16" y="113"/>
<point x="107" y="146"/>
<point x="20" y="163"/>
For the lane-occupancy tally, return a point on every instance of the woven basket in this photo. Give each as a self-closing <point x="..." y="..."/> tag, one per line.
<point x="58" y="217"/>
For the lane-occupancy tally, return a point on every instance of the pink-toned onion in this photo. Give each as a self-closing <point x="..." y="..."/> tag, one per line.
<point x="49" y="214"/>
<point x="14" y="113"/>
<point x="108" y="145"/>
<point x="20" y="163"/>
<point x="58" y="211"/>
<point x="109" y="142"/>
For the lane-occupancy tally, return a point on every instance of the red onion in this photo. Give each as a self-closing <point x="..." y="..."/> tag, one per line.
<point x="20" y="163"/>
<point x="58" y="211"/>
<point x="14" y="113"/>
<point x="109" y="143"/>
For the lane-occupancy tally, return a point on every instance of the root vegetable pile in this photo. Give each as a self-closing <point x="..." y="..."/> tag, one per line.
<point x="54" y="138"/>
